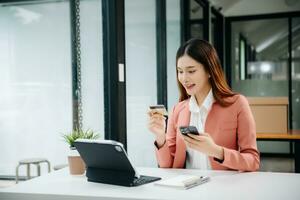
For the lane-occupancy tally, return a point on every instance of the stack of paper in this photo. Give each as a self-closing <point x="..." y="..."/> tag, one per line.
<point x="183" y="181"/>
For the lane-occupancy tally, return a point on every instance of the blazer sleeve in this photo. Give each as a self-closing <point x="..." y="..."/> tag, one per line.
<point x="247" y="157"/>
<point x="165" y="154"/>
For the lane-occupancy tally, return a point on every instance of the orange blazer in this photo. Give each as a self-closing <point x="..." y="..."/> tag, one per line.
<point x="231" y="127"/>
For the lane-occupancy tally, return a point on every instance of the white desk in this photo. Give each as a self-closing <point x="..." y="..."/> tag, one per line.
<point x="223" y="185"/>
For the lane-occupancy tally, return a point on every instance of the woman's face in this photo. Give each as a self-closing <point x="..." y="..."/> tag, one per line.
<point x="192" y="76"/>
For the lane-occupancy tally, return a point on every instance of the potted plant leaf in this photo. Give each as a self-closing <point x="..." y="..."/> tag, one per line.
<point x="76" y="164"/>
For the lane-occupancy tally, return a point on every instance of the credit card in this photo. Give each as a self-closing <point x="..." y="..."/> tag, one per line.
<point x="158" y="109"/>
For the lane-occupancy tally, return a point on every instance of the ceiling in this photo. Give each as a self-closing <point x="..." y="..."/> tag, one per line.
<point x="269" y="37"/>
<point x="252" y="7"/>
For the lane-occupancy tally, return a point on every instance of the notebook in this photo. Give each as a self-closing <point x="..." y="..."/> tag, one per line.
<point x="183" y="181"/>
<point x="107" y="162"/>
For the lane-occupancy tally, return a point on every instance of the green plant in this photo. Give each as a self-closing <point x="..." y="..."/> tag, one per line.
<point x="79" y="134"/>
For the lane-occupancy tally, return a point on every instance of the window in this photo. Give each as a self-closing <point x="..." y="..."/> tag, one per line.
<point x="35" y="84"/>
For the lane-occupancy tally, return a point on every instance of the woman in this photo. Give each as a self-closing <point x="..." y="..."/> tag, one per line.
<point x="227" y="139"/>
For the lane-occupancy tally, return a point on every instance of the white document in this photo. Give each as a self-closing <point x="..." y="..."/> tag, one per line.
<point x="183" y="181"/>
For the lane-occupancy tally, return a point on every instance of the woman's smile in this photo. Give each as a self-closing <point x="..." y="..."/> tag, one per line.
<point x="189" y="86"/>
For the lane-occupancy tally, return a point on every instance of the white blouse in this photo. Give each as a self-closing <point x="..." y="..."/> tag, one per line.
<point x="196" y="159"/>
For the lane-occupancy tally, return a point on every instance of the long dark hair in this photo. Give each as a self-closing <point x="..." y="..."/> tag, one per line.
<point x="205" y="53"/>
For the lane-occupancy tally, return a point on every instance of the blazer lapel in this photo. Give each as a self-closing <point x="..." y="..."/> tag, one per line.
<point x="184" y="116"/>
<point x="183" y="120"/>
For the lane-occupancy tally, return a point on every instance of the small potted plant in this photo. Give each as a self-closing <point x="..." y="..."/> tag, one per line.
<point x="76" y="164"/>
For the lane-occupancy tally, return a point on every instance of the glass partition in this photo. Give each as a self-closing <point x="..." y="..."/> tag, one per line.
<point x="260" y="58"/>
<point x="141" y="91"/>
<point x="260" y="63"/>
<point x="197" y="21"/>
<point x="173" y="43"/>
<point x="35" y="84"/>
<point x="296" y="72"/>
<point x="92" y="65"/>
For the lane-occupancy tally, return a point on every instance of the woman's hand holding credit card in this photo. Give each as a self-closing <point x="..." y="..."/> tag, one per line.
<point x="157" y="124"/>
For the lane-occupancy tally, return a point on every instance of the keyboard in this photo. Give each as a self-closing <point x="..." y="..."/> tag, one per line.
<point x="144" y="179"/>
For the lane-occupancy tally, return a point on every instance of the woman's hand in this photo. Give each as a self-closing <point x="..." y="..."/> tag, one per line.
<point x="205" y="144"/>
<point x="157" y="126"/>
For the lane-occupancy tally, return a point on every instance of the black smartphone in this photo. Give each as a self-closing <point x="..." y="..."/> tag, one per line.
<point x="184" y="130"/>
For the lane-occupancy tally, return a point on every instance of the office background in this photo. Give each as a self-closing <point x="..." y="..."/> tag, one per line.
<point x="127" y="62"/>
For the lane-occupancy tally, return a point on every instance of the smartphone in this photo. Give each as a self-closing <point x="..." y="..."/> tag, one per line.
<point x="158" y="109"/>
<point x="185" y="130"/>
